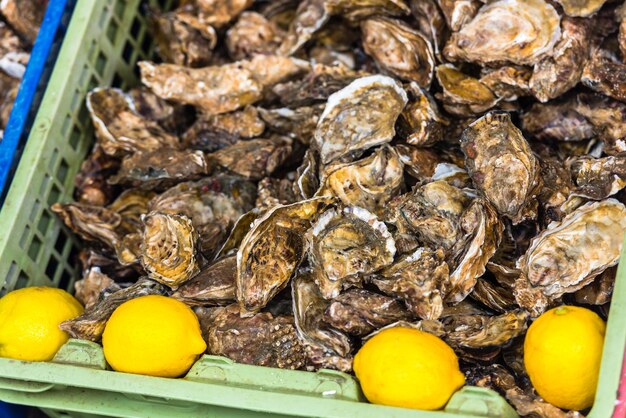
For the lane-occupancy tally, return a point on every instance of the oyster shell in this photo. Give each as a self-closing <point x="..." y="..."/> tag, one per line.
<point x="91" y="183"/>
<point x="345" y="245"/>
<point x="362" y="9"/>
<point x="173" y="118"/>
<point x="310" y="17"/>
<point x="272" y="192"/>
<point x="599" y="291"/>
<point x="256" y="158"/>
<point x="161" y="169"/>
<point x="557" y="188"/>
<point x="430" y="22"/>
<point x="495" y="297"/>
<point x="213" y="285"/>
<point x="24" y="16"/>
<point x="368" y="183"/>
<point x="220" y="12"/>
<point x="358" y="117"/>
<point x="463" y="95"/>
<point x="556" y="74"/>
<point x="298" y="123"/>
<point x="419" y="163"/>
<point x="516" y="31"/>
<point x="502" y="165"/>
<point x="183" y="38"/>
<point x="581" y="8"/>
<point x="326" y="346"/>
<point x="307" y="181"/>
<point x="557" y="121"/>
<point x="88" y="289"/>
<point x="219" y="89"/>
<point x="253" y="34"/>
<point x="424" y="125"/>
<point x="90" y="325"/>
<point x="567" y="255"/>
<point x="481" y="331"/>
<point x="599" y="178"/>
<point x="168" y="249"/>
<point x="120" y="129"/>
<point x="508" y="82"/>
<point x="91" y="223"/>
<point x="271" y="251"/>
<point x="458" y="12"/>
<point x="359" y="312"/>
<point x="608" y="118"/>
<point x="605" y="76"/>
<point x="399" y="49"/>
<point x="420" y="279"/>
<point x="262" y="340"/>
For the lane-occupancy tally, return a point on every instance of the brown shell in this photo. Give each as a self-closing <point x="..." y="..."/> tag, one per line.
<point x="253" y="34"/>
<point x="463" y="95"/>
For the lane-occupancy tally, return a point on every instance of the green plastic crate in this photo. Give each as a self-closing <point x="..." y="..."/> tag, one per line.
<point x="102" y="45"/>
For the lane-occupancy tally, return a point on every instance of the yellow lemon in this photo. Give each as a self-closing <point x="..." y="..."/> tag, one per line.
<point x="153" y="335"/>
<point x="408" y="368"/>
<point x="29" y="322"/>
<point x="562" y="353"/>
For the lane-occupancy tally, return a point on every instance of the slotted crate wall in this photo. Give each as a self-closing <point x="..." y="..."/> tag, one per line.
<point x="34" y="248"/>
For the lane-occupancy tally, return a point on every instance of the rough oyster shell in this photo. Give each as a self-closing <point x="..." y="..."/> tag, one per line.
<point x="271" y="251"/>
<point x="91" y="183"/>
<point x="599" y="178"/>
<point x="91" y="223"/>
<point x="253" y="34"/>
<point x="345" y="245"/>
<point x="120" y="129"/>
<point x="368" y="183"/>
<point x="399" y="49"/>
<point x="87" y="290"/>
<point x="213" y="285"/>
<point x="463" y="95"/>
<point x="481" y="331"/>
<point x="558" y="120"/>
<point x="358" y="117"/>
<point x="298" y="123"/>
<point x="567" y="255"/>
<point x="581" y="8"/>
<point x="424" y="125"/>
<point x="605" y="76"/>
<point x="218" y="13"/>
<point x="458" y="12"/>
<point x="508" y="82"/>
<point x="310" y="17"/>
<point x="502" y="165"/>
<point x="168" y="249"/>
<point x="517" y="31"/>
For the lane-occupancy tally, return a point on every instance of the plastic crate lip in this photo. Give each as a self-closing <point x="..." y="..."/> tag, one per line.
<point x="23" y="104"/>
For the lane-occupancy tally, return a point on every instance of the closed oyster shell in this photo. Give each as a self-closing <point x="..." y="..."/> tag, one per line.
<point x="368" y="183"/>
<point x="557" y="120"/>
<point x="91" y="223"/>
<point x="311" y="15"/>
<point x="359" y="311"/>
<point x="605" y="76"/>
<point x="345" y="245"/>
<point x="463" y="95"/>
<point x="161" y="169"/>
<point x="87" y="290"/>
<point x="508" y="82"/>
<point x="556" y="74"/>
<point x="458" y="12"/>
<point x="168" y="249"/>
<point x="493" y="296"/>
<point x="599" y="178"/>
<point x="502" y="165"/>
<point x="307" y="181"/>
<point x="219" y="89"/>
<point x="299" y="123"/>
<point x="481" y="331"/>
<point x="358" y="117"/>
<point x="326" y="346"/>
<point x="253" y="34"/>
<point x="362" y="9"/>
<point x="517" y="31"/>
<point x="567" y="255"/>
<point x="608" y="118"/>
<point x="24" y="16"/>
<point x="262" y="340"/>
<point x="420" y="163"/>
<point x="273" y="191"/>
<point x="183" y="38"/>
<point x="120" y="130"/>
<point x="599" y="291"/>
<point x="90" y="324"/>
<point x="399" y="49"/>
<point x="91" y="186"/>
<point x="581" y="8"/>
<point x="213" y="285"/>
<point x="256" y="158"/>
<point x="430" y="22"/>
<point x="271" y="251"/>
<point x="420" y="279"/>
<point x="423" y="124"/>
<point x="218" y="13"/>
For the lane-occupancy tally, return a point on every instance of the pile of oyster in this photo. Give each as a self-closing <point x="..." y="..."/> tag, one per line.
<point x="19" y="24"/>
<point x="306" y="173"/>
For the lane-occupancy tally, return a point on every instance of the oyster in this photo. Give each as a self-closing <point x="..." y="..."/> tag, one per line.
<point x="213" y="132"/>
<point x="272" y="192"/>
<point x="358" y="117"/>
<point x="608" y="118"/>
<point x="368" y="183"/>
<point x="423" y="124"/>
<point x="420" y="163"/>
<point x="173" y="118"/>
<point x="24" y="16"/>
<point x="558" y="121"/>
<point x="307" y="181"/>
<point x="359" y="312"/>
<point x="430" y="22"/>
<point x="516" y="31"/>
<point x="262" y="340"/>
<point x="362" y="9"/>
<point x="168" y="249"/>
<point x="239" y="230"/>
<point x="481" y="331"/>
<point x="420" y="279"/>
<point x="131" y="204"/>
<point x="599" y="291"/>
<point x="160" y="169"/>
<point x="556" y="74"/>
<point x="213" y="285"/>
<point x="582" y="8"/>
<point x="253" y="34"/>
<point x="463" y="95"/>
<point x="502" y="165"/>
<point x="219" y="89"/>
<point x="458" y="12"/>
<point x="621" y="37"/>
<point x="495" y="297"/>
<point x="325" y="345"/>
<point x="271" y="251"/>
<point x="345" y="245"/>
<point x="605" y="75"/>
<point x="218" y="13"/>
<point x="91" y="183"/>
<point x="508" y="82"/>
<point x="399" y="49"/>
<point x="557" y="188"/>
<point x="299" y="123"/>
<point x="91" y="223"/>
<point x="87" y="290"/>
<point x="256" y="158"/>
<point x="567" y="255"/>
<point x="183" y="38"/>
<point x="599" y="178"/>
<point x="90" y="325"/>
<point x="120" y="129"/>
<point x="310" y="17"/>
